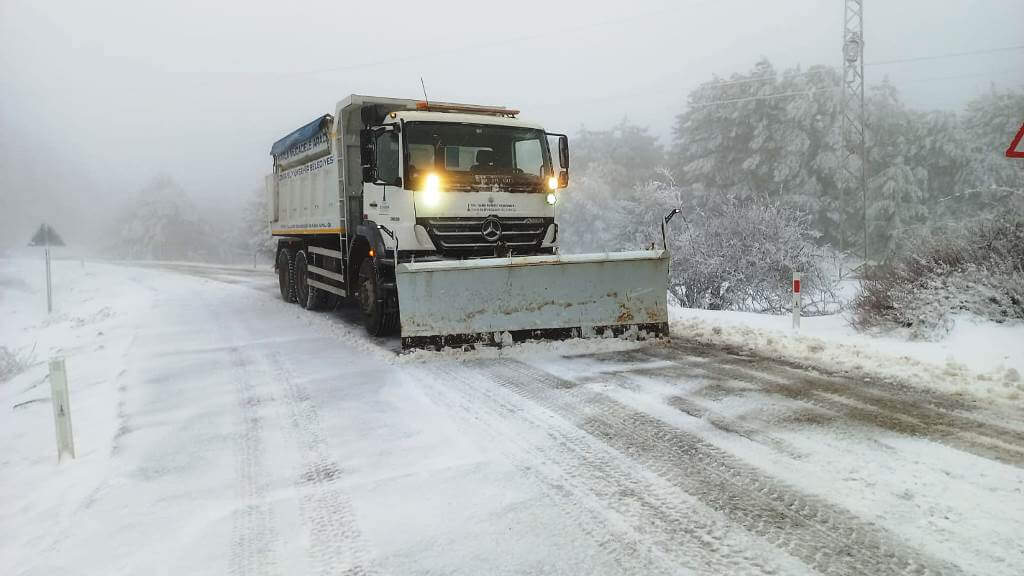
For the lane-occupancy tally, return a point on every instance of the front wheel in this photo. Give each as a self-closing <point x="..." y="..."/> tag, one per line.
<point x="379" y="321"/>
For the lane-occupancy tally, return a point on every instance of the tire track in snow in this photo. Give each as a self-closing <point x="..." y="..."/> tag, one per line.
<point x="826" y="538"/>
<point x="892" y="407"/>
<point x="254" y="534"/>
<point x="733" y="426"/>
<point x="642" y="523"/>
<point x="335" y="541"/>
<point x="699" y="411"/>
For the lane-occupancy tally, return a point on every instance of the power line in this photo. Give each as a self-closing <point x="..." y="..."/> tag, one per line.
<point x="784" y="76"/>
<point x="997" y="73"/>
<point x="767" y="96"/>
<point x="948" y="55"/>
<point x="501" y="42"/>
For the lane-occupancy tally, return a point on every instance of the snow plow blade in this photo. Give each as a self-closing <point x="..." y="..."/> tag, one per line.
<point x="455" y="302"/>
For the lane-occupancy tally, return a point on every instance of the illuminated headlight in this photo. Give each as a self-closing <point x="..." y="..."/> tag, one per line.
<point x="552" y="199"/>
<point x="552" y="184"/>
<point x="431" y="193"/>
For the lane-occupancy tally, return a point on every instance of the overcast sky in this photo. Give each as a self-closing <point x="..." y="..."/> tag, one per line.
<point x="97" y="97"/>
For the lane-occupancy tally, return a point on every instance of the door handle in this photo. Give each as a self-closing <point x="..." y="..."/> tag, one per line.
<point x="373" y="204"/>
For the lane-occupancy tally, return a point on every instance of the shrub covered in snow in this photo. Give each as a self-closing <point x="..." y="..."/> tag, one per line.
<point x="13" y="363"/>
<point x="976" y="269"/>
<point x="736" y="255"/>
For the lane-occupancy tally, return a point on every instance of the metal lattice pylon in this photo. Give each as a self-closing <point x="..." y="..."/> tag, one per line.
<point x="854" y="163"/>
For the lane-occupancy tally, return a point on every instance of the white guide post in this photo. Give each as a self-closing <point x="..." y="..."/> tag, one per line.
<point x="61" y="408"/>
<point x="796" y="300"/>
<point x="49" y="289"/>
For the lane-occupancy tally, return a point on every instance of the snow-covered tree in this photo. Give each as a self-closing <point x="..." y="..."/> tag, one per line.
<point x="991" y="181"/>
<point x="606" y="167"/>
<point x="625" y="155"/>
<point x="164" y="224"/>
<point x="254" y="233"/>
<point x="897" y="205"/>
<point x="736" y="138"/>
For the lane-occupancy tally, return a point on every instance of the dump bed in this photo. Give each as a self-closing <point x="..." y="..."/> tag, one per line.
<point x="302" y="192"/>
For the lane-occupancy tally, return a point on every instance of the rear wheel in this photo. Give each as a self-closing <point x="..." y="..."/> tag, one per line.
<point x="307" y="296"/>
<point x="286" y="274"/>
<point x="377" y="316"/>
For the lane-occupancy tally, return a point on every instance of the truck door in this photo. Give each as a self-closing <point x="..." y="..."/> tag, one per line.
<point x="379" y="194"/>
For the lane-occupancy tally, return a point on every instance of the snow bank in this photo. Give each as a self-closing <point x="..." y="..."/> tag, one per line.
<point x="977" y="358"/>
<point x="92" y="326"/>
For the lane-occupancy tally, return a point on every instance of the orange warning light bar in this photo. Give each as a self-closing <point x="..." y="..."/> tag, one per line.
<point x="466" y="108"/>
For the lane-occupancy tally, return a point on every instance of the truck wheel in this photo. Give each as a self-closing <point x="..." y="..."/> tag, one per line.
<point x="378" y="321"/>
<point x="307" y="296"/>
<point x="286" y="274"/>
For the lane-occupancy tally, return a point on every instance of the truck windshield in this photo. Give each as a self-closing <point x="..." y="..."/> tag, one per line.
<point x="477" y="156"/>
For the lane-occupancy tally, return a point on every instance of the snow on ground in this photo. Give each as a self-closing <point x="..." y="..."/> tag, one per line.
<point x="977" y="358"/>
<point x="222" y="431"/>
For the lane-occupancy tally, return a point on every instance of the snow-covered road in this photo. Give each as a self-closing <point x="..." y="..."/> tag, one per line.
<point x="222" y="431"/>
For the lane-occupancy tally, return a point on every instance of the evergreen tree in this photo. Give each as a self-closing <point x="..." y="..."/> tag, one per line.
<point x="897" y="206"/>
<point x="991" y="181"/>
<point x="164" y="224"/>
<point x="254" y="232"/>
<point x="736" y="138"/>
<point x="606" y="166"/>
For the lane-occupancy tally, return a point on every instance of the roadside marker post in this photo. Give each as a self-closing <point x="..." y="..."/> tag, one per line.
<point x="1015" y="151"/>
<point x="61" y="408"/>
<point x="46" y="236"/>
<point x="49" y="283"/>
<point x="796" y="300"/>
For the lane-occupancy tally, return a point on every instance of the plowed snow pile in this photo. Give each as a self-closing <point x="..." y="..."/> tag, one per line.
<point x="977" y="358"/>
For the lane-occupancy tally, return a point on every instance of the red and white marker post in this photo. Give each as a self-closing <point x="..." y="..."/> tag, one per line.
<point x="796" y="300"/>
<point x="1015" y="150"/>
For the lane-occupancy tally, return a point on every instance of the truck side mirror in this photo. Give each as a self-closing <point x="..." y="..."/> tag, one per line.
<point x="367" y="157"/>
<point x="563" y="159"/>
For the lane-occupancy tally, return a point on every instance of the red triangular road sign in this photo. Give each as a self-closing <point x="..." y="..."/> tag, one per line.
<point x="1015" y="150"/>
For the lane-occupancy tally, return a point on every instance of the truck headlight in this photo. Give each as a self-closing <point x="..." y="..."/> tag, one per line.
<point x="552" y="198"/>
<point x="553" y="184"/>
<point x="431" y="193"/>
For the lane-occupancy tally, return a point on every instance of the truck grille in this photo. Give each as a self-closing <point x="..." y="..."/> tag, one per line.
<point x="464" y="236"/>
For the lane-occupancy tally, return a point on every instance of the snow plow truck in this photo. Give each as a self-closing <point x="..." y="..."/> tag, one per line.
<point x="438" y="220"/>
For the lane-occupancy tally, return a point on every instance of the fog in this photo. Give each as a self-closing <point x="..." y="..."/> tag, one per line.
<point x="98" y="98"/>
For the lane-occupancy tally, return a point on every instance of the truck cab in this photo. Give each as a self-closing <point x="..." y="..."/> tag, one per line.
<point x="452" y="181"/>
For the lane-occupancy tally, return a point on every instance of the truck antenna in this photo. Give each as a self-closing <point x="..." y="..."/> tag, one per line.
<point x="424" y="86"/>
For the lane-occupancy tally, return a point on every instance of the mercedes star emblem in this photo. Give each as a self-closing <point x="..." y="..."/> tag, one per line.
<point x="491" y="230"/>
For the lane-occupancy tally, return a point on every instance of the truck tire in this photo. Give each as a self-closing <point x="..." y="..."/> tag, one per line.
<point x="307" y="296"/>
<point x="286" y="274"/>
<point x="379" y="321"/>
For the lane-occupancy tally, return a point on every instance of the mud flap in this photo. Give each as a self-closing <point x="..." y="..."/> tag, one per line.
<point x="454" y="302"/>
